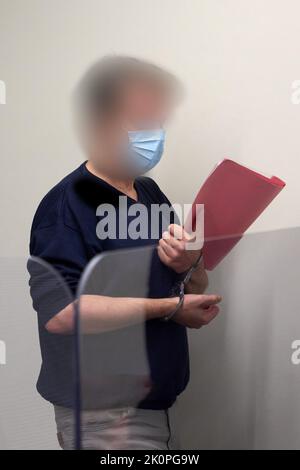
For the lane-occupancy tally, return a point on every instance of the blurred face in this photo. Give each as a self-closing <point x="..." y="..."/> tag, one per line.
<point x="142" y="107"/>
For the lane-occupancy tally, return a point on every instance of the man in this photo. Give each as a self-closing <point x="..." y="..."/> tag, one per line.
<point x="122" y="104"/>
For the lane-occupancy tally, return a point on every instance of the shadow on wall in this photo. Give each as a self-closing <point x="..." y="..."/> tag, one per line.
<point x="244" y="389"/>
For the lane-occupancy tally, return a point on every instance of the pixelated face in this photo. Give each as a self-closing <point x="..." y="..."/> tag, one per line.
<point x="142" y="106"/>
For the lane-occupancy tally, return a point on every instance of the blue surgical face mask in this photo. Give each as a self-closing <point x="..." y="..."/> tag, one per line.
<point x="145" y="149"/>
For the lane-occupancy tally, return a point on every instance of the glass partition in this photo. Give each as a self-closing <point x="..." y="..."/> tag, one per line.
<point x="32" y="292"/>
<point x="114" y="369"/>
<point x="245" y="366"/>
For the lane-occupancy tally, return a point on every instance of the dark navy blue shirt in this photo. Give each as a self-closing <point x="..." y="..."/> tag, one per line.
<point x="64" y="235"/>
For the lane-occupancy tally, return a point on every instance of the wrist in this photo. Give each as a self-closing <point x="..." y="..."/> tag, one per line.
<point x="178" y="305"/>
<point x="194" y="268"/>
<point x="160" y="308"/>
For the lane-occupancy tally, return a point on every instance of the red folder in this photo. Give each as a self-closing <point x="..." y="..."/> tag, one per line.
<point x="233" y="196"/>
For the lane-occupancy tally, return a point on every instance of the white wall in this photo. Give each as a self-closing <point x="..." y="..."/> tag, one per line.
<point x="237" y="59"/>
<point x="244" y="388"/>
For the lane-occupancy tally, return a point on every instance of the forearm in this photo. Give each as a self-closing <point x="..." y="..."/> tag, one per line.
<point x="102" y="313"/>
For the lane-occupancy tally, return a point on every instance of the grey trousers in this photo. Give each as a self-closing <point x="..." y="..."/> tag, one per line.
<point x="116" y="429"/>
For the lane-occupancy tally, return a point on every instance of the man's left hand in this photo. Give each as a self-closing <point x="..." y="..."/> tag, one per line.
<point x="172" y="249"/>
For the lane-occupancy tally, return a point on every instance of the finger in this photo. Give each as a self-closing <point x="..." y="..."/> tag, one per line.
<point x="208" y="300"/>
<point x="178" y="245"/>
<point x="162" y="256"/>
<point x="176" y="231"/>
<point x="169" y="251"/>
<point x="180" y="234"/>
<point x="210" y="313"/>
<point x="211" y="310"/>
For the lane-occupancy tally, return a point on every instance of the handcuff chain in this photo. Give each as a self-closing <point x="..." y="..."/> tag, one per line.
<point x="182" y="286"/>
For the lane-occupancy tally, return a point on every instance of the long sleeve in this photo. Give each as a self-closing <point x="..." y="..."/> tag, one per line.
<point x="58" y="257"/>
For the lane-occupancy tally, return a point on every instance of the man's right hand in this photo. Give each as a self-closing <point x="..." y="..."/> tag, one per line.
<point x="197" y="310"/>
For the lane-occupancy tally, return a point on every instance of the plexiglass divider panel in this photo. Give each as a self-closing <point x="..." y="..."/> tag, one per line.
<point x="32" y="292"/>
<point x="114" y="368"/>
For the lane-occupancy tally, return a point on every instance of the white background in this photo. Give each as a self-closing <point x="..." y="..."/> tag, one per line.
<point x="237" y="59"/>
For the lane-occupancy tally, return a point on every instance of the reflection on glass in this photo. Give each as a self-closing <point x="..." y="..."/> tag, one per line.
<point x="57" y="379"/>
<point x="114" y="367"/>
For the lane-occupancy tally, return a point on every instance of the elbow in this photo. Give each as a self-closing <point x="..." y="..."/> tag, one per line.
<point x="62" y="323"/>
